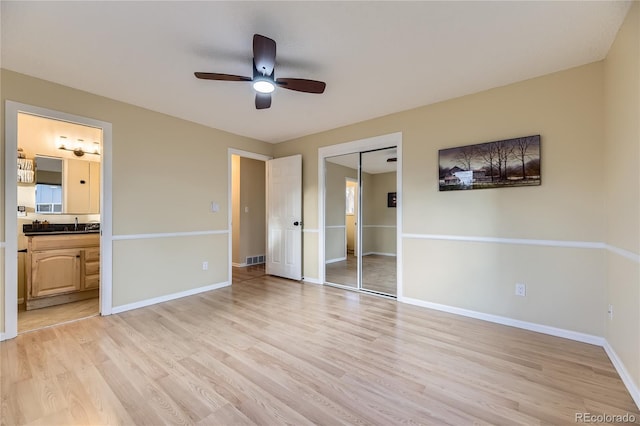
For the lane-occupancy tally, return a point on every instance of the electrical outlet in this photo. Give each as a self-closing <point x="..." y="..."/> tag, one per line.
<point x="521" y="289"/>
<point x="610" y="312"/>
<point x="205" y="265"/>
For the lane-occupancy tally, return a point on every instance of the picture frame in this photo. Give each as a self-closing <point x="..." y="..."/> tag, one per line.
<point x="505" y="163"/>
<point x="391" y="199"/>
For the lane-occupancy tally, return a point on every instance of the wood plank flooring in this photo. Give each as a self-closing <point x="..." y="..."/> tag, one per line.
<point x="45" y="317"/>
<point x="270" y="351"/>
<point x="378" y="273"/>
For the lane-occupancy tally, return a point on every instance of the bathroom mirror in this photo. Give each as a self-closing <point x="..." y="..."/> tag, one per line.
<point x="67" y="186"/>
<point x="48" y="185"/>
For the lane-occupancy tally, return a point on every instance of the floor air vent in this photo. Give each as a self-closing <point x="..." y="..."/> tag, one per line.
<point x="254" y="260"/>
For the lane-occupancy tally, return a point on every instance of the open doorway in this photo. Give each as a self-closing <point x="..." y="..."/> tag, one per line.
<point x="58" y="223"/>
<point x="248" y="216"/>
<point x="58" y="268"/>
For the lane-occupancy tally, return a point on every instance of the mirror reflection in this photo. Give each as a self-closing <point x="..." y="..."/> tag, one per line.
<point x="360" y="221"/>
<point x="48" y="185"/>
<point x="341" y="184"/>
<point x="378" y="189"/>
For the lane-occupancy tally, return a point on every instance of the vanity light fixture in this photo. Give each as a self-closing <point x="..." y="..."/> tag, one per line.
<point x="78" y="150"/>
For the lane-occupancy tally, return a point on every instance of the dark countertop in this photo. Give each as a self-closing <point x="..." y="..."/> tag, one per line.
<point x="43" y="232"/>
<point x="60" y="228"/>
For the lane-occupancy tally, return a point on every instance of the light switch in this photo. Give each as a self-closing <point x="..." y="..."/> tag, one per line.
<point x="215" y="207"/>
<point x="246" y="209"/>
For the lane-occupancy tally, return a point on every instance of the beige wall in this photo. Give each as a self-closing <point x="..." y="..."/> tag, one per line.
<point x="566" y="108"/>
<point x="252" y="198"/>
<point x="158" y="160"/>
<point x="622" y="201"/>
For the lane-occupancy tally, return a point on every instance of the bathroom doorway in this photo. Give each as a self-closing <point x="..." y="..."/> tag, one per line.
<point x="59" y="278"/>
<point x="58" y="223"/>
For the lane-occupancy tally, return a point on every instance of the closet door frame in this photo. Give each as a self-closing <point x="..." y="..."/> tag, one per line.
<point x="357" y="146"/>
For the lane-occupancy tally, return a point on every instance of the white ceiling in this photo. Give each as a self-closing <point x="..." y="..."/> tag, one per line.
<point x="376" y="57"/>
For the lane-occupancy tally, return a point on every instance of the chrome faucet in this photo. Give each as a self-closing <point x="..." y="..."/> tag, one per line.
<point x="76" y="225"/>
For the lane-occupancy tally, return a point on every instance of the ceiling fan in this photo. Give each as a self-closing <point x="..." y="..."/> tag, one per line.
<point x="264" y="81"/>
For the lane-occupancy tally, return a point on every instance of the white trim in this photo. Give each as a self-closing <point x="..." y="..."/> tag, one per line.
<point x="311" y="280"/>
<point x="379" y="226"/>
<point x="527" y="241"/>
<point x="2" y="337"/>
<point x="311" y="230"/>
<point x="544" y="329"/>
<point x="168" y="235"/>
<point x="337" y="259"/>
<point x="623" y="373"/>
<point x="168" y="297"/>
<point x="239" y="265"/>
<point x="12" y="109"/>
<point x="622" y="252"/>
<point x="335" y="226"/>
<point x="521" y="241"/>
<point x="379" y="254"/>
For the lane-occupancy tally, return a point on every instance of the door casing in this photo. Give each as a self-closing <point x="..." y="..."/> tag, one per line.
<point x="368" y="144"/>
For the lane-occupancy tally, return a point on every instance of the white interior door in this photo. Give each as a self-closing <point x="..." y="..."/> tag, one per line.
<point x="284" y="217"/>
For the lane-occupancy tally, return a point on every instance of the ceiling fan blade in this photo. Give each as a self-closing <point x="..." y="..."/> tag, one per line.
<point x="223" y="77"/>
<point x="264" y="54"/>
<point x="263" y="100"/>
<point x="302" y="85"/>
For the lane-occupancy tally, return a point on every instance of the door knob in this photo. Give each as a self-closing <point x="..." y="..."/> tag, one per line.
<point x="296" y="223"/>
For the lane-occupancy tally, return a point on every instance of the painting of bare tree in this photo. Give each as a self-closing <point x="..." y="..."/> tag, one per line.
<point x="510" y="162"/>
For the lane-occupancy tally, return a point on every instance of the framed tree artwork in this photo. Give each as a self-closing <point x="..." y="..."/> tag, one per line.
<point x="505" y="163"/>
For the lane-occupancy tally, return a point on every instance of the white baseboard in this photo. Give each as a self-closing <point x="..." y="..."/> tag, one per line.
<point x="379" y="254"/>
<point x="545" y="329"/>
<point x="238" y="265"/>
<point x="311" y="280"/>
<point x="167" y="297"/>
<point x="2" y="338"/>
<point x="632" y="387"/>
<point x="337" y="259"/>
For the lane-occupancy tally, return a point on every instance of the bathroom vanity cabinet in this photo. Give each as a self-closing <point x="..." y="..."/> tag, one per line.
<point x="62" y="268"/>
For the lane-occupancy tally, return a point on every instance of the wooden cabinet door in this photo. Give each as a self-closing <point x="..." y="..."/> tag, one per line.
<point x="82" y="187"/>
<point x="55" y="272"/>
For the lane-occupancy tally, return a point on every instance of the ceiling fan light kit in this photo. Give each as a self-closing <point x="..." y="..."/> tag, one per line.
<point x="263" y="86"/>
<point x="264" y="83"/>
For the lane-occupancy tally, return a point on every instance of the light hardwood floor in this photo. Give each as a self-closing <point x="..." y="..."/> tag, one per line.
<point x="378" y="273"/>
<point x="45" y="317"/>
<point x="271" y="351"/>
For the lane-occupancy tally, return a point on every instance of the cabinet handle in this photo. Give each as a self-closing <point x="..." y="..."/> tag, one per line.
<point x="78" y="257"/>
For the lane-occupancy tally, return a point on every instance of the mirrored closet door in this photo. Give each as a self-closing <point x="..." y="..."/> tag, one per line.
<point x="360" y="221"/>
